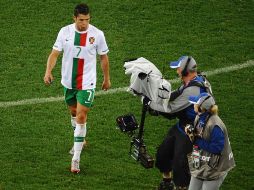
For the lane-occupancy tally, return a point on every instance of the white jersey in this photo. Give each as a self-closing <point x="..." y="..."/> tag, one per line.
<point x="79" y="55"/>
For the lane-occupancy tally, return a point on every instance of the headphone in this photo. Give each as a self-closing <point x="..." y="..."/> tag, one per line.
<point x="185" y="69"/>
<point x="199" y="107"/>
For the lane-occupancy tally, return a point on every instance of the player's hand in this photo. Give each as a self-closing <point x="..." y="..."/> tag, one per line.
<point x="48" y="78"/>
<point x="106" y="85"/>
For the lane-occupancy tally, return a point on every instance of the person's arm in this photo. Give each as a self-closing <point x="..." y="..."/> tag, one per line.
<point x="105" y="69"/>
<point x="216" y="143"/>
<point x="182" y="101"/>
<point x="48" y="77"/>
<point x="179" y="103"/>
<point x="175" y="94"/>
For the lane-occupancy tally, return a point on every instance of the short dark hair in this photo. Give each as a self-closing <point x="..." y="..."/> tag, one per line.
<point x="81" y="9"/>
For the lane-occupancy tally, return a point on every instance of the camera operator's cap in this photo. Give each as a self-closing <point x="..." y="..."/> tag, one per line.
<point x="204" y="100"/>
<point x="182" y="61"/>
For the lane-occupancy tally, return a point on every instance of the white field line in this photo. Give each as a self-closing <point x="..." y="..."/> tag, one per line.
<point x="249" y="63"/>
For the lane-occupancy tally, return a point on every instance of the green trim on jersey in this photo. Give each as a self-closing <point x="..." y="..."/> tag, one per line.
<point x="77" y="39"/>
<point x="78" y="61"/>
<point x="74" y="73"/>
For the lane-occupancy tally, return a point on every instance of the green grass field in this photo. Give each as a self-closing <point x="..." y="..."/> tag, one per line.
<point x="35" y="139"/>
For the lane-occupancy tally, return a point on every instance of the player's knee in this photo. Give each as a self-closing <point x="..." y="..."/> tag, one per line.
<point x="73" y="110"/>
<point x="81" y="116"/>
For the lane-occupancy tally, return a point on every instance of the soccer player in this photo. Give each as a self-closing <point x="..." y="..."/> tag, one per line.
<point x="80" y="43"/>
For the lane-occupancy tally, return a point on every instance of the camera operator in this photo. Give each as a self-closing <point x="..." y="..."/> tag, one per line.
<point x="171" y="157"/>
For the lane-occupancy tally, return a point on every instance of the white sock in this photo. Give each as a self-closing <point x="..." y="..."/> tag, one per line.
<point x="79" y="137"/>
<point x="73" y="122"/>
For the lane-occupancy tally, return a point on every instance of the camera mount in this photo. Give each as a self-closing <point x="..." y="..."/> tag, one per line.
<point x="128" y="124"/>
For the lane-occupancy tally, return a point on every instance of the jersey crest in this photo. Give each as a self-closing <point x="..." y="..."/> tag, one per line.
<point x="91" y="40"/>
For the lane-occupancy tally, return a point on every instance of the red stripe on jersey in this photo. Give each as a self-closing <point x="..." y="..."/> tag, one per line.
<point x="83" y="39"/>
<point x="80" y="70"/>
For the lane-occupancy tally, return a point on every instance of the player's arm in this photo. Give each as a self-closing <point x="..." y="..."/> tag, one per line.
<point x="48" y="77"/>
<point x="105" y="69"/>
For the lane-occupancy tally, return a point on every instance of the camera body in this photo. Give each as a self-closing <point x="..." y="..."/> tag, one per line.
<point x="128" y="124"/>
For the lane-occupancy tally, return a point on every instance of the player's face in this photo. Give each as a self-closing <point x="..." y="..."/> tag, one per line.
<point x="82" y="22"/>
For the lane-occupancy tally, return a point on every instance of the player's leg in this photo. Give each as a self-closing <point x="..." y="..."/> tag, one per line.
<point x="71" y="101"/>
<point x="80" y="131"/>
<point x="84" y="102"/>
<point x="79" y="136"/>
<point x="73" y="112"/>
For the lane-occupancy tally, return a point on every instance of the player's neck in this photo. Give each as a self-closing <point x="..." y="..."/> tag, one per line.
<point x="81" y="29"/>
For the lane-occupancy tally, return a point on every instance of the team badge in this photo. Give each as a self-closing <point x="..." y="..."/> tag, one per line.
<point x="91" y="40"/>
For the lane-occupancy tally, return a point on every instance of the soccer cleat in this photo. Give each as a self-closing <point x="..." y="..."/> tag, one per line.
<point x="166" y="185"/>
<point x="71" y="152"/>
<point x="75" y="166"/>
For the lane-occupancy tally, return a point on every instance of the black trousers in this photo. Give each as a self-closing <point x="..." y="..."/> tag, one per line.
<point x="172" y="156"/>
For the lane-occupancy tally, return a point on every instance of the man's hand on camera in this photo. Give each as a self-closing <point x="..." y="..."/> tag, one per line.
<point x="145" y="100"/>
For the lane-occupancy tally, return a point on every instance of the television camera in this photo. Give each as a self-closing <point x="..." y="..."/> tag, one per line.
<point x="147" y="82"/>
<point x="128" y="124"/>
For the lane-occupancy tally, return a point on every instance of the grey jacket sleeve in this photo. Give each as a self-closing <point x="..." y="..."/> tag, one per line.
<point x="178" y="104"/>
